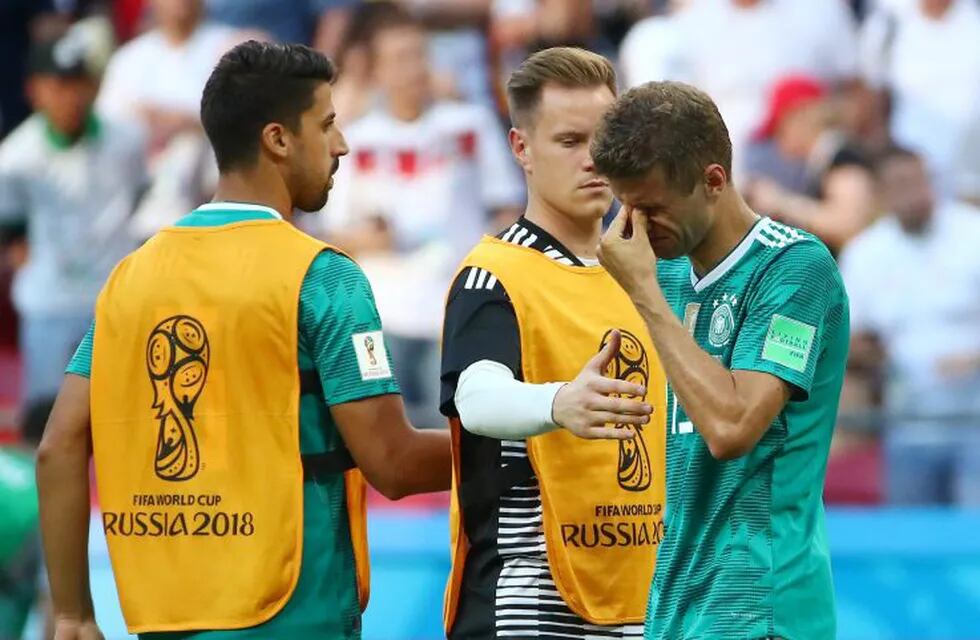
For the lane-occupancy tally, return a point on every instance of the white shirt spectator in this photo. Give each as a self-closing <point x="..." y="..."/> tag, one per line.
<point x="77" y="201"/>
<point x="434" y="181"/>
<point x="149" y="70"/>
<point x="921" y="295"/>
<point x="737" y="54"/>
<point x="652" y="50"/>
<point x="933" y="70"/>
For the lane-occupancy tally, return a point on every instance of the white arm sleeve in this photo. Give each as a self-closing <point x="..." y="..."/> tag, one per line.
<point x="492" y="403"/>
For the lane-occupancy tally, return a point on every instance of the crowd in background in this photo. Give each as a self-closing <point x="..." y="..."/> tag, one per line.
<point x="857" y="121"/>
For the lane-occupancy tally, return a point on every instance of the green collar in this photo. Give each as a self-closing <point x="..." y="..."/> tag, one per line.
<point x="60" y="141"/>
<point x="216" y="214"/>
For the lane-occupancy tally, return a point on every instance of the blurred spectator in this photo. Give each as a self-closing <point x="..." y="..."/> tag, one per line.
<point x="320" y="23"/>
<point x="458" y="46"/>
<point x="354" y="91"/>
<point x="615" y="18"/>
<point x="19" y="19"/>
<point x="126" y="17"/>
<point x="862" y="113"/>
<point x="926" y="55"/>
<point x="736" y="49"/>
<point x="20" y="548"/>
<point x="157" y="78"/>
<point x="424" y="181"/>
<point x="914" y="284"/>
<point x="520" y="27"/>
<point x="803" y="171"/>
<point x="73" y="178"/>
<point x="538" y="24"/>
<point x="156" y="81"/>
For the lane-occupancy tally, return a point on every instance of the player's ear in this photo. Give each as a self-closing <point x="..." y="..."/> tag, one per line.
<point x="518" y="146"/>
<point x="715" y="180"/>
<point x="276" y="140"/>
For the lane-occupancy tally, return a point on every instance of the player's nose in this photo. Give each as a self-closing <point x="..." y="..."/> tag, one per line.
<point x="340" y="148"/>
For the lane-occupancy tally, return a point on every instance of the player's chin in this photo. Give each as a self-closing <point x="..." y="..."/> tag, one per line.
<point x="314" y="204"/>
<point x="592" y="207"/>
<point x="665" y="248"/>
<point x="597" y="197"/>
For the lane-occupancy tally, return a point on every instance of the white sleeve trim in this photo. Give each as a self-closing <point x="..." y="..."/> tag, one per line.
<point x="492" y="403"/>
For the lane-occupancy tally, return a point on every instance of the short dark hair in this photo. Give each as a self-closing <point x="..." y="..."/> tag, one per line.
<point x="252" y="85"/>
<point x="670" y="125"/>
<point x="568" y="67"/>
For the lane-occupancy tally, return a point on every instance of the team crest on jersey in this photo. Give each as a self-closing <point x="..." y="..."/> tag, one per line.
<point x="633" y="365"/>
<point x="722" y="321"/>
<point x="177" y="358"/>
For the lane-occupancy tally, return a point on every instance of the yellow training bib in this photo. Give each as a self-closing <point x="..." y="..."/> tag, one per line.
<point x="195" y="426"/>
<point x="602" y="500"/>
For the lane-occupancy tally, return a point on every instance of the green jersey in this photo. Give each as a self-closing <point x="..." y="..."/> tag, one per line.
<point x="335" y="303"/>
<point x="20" y="552"/>
<point x="745" y="553"/>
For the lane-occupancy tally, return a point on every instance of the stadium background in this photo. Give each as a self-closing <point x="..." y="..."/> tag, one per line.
<point x="793" y="78"/>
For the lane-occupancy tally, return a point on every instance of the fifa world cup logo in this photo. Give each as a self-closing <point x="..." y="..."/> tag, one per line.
<point x="177" y="355"/>
<point x="369" y="346"/>
<point x="632" y="365"/>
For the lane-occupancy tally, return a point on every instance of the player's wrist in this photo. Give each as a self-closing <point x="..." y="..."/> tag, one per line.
<point x="651" y="302"/>
<point x="552" y="413"/>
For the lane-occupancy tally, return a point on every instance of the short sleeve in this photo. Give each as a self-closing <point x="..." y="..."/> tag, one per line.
<point x="340" y="327"/>
<point x="794" y="303"/>
<point x="81" y="363"/>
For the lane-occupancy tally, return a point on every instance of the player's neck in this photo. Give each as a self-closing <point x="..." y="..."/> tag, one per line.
<point x="733" y="221"/>
<point x="253" y="188"/>
<point x="581" y="237"/>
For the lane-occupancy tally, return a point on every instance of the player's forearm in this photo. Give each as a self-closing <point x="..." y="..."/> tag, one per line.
<point x="703" y="386"/>
<point x="425" y="465"/>
<point x="527" y="411"/>
<point x="63" y="492"/>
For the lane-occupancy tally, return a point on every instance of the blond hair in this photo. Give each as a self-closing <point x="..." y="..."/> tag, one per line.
<point x="568" y="67"/>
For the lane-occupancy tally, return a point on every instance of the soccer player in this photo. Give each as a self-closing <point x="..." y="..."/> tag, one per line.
<point x="235" y="375"/>
<point x="554" y="537"/>
<point x="750" y="319"/>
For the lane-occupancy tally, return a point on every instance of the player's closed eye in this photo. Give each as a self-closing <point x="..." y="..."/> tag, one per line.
<point x="569" y="141"/>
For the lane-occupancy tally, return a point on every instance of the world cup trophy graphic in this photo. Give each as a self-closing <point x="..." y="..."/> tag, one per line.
<point x="632" y="365"/>
<point x="177" y="356"/>
<point x="369" y="346"/>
